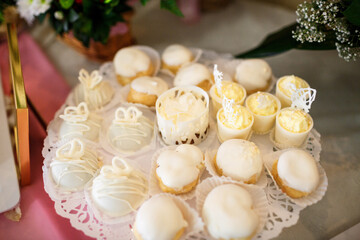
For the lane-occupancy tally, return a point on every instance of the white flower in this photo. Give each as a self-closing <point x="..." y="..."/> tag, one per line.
<point x="29" y="9"/>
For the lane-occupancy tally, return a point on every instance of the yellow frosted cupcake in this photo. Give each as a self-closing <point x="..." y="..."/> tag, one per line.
<point x="286" y="86"/>
<point x="264" y="106"/>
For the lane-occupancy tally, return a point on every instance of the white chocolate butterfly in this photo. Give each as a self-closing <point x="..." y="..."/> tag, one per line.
<point x="130" y="115"/>
<point x="90" y="80"/>
<point x="229" y="111"/>
<point x="119" y="167"/>
<point x="71" y="150"/>
<point x="72" y="114"/>
<point x="218" y="76"/>
<point x="302" y="98"/>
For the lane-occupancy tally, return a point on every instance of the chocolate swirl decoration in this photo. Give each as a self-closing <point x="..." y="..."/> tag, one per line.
<point x="130" y="115"/>
<point x="76" y="114"/>
<point x="90" y="81"/>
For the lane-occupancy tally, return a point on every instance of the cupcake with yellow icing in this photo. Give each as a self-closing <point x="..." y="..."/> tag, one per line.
<point x="235" y="123"/>
<point x="264" y="107"/>
<point x="292" y="127"/>
<point x="286" y="86"/>
<point x="175" y="56"/>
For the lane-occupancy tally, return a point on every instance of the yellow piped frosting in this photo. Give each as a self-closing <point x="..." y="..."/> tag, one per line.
<point x="294" y="120"/>
<point x="263" y="104"/>
<point x="231" y="90"/>
<point x="287" y="82"/>
<point x="242" y="118"/>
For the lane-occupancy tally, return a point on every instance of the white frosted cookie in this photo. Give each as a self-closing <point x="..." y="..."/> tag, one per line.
<point x="119" y="189"/>
<point x="228" y="213"/>
<point x="129" y="61"/>
<point x="159" y="218"/>
<point x="194" y="74"/>
<point x="176" y="55"/>
<point x="74" y="165"/>
<point x="240" y="160"/>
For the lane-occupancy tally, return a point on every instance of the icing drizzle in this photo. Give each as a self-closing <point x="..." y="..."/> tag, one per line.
<point x="90" y="81"/>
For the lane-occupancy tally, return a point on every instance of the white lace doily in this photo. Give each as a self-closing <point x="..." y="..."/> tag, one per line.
<point x="282" y="212"/>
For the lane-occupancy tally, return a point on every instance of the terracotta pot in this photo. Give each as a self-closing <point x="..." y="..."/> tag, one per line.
<point x="120" y="36"/>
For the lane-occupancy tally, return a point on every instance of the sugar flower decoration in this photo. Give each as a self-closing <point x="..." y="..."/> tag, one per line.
<point x="29" y="9"/>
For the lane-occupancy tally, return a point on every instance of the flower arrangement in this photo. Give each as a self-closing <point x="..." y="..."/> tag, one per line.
<point x="320" y="25"/>
<point x="87" y="19"/>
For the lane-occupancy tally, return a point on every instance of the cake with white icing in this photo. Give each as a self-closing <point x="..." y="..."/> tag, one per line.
<point x="145" y="90"/>
<point x="131" y="63"/>
<point x="296" y="173"/>
<point x="174" y="56"/>
<point x="93" y="90"/>
<point x="286" y="86"/>
<point x="194" y="74"/>
<point x="254" y="74"/>
<point x="130" y="131"/>
<point x="178" y="170"/>
<point x="79" y="122"/>
<point x="228" y="213"/>
<point x="74" y="165"/>
<point x="159" y="218"/>
<point x="183" y="115"/>
<point x="239" y="159"/>
<point x="119" y="189"/>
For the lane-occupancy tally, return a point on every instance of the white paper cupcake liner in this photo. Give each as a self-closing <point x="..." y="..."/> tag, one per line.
<point x="313" y="197"/>
<point x="260" y="203"/>
<point x="154" y="187"/>
<point x="107" y="145"/>
<point x="210" y="167"/>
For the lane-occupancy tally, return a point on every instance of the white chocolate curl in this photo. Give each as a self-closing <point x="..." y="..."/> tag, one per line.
<point x="130" y="115"/>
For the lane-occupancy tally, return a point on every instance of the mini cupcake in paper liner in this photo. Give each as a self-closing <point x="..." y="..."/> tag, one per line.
<point x="283" y="145"/>
<point x="176" y="163"/>
<point x="116" y="192"/>
<point x="128" y="131"/>
<point x="194" y="225"/>
<point x="69" y="167"/>
<point x="210" y="156"/>
<point x="315" y="195"/>
<point x="258" y="196"/>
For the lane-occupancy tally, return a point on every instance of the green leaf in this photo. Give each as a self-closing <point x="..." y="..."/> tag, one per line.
<point x="73" y="15"/>
<point x="66" y="4"/>
<point x="171" y="6"/>
<point x="41" y="17"/>
<point x="143" y="2"/>
<point x="352" y="13"/>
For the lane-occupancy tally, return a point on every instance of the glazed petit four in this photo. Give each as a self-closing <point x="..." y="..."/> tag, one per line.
<point x="130" y="131"/>
<point x="93" y="90"/>
<point x="228" y="213"/>
<point x="183" y="115"/>
<point x="178" y="171"/>
<point x="131" y="63"/>
<point x="264" y="107"/>
<point x="74" y="165"/>
<point x="296" y="173"/>
<point x="254" y="75"/>
<point x="292" y="127"/>
<point x="119" y="189"/>
<point x="159" y="218"/>
<point x="239" y="159"/>
<point x="194" y="74"/>
<point x="175" y="56"/>
<point x="233" y="121"/>
<point x="79" y="122"/>
<point x="145" y="90"/>
<point x="286" y="86"/>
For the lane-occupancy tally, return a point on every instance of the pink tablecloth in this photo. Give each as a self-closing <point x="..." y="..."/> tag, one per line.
<point x="47" y="90"/>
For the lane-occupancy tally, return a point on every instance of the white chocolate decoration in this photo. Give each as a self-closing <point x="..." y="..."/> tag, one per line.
<point x="79" y="122"/>
<point x="130" y="131"/>
<point x="176" y="55"/>
<point x="129" y="61"/>
<point x="239" y="159"/>
<point x="74" y="165"/>
<point x="180" y="167"/>
<point x="228" y="213"/>
<point x="288" y="84"/>
<point x="303" y="98"/>
<point x="253" y="74"/>
<point x="159" y="218"/>
<point x="93" y="90"/>
<point x="192" y="74"/>
<point x="119" y="189"/>
<point x="297" y="169"/>
<point x="150" y="85"/>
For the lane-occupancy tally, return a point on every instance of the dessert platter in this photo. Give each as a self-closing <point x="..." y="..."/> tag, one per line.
<point x="183" y="144"/>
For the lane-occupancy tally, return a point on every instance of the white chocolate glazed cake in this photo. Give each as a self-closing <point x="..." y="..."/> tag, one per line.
<point x="79" y="122"/>
<point x="130" y="131"/>
<point x="74" y="165"/>
<point x="119" y="189"/>
<point x="228" y="213"/>
<point x="176" y="55"/>
<point x="183" y="115"/>
<point x="194" y="74"/>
